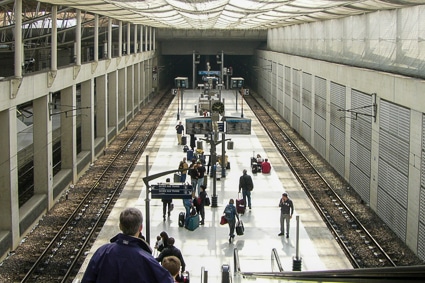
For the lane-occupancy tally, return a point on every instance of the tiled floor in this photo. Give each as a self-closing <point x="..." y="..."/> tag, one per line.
<point x="208" y="245"/>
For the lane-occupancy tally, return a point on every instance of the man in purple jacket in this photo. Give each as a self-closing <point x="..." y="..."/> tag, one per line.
<point x="127" y="258"/>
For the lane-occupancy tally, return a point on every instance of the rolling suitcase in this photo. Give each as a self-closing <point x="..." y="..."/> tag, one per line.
<point x="193" y="222"/>
<point x="189" y="154"/>
<point x="240" y="229"/>
<point x="184" y="140"/>
<point x="240" y="205"/>
<point x="181" y="219"/>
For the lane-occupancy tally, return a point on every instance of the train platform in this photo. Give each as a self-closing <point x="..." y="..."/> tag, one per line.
<point x="208" y="246"/>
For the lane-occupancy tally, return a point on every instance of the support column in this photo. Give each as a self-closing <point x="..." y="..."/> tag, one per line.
<point x="54" y="40"/>
<point x="130" y="90"/>
<point x="135" y="43"/>
<point x="19" y="47"/>
<point x="68" y="131"/>
<point x="120" y="39"/>
<point x="128" y="38"/>
<point x="109" y="38"/>
<point x="78" y="39"/>
<point x="146" y="39"/>
<point x="9" y="208"/>
<point x="122" y="95"/>
<point x="101" y="106"/>
<point x="43" y="156"/>
<point x="113" y="101"/>
<point x="96" y="38"/>
<point x="87" y="117"/>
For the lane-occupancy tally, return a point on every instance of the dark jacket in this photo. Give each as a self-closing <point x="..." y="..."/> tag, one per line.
<point x="125" y="259"/>
<point x="245" y="183"/>
<point x="286" y="207"/>
<point x="169" y="251"/>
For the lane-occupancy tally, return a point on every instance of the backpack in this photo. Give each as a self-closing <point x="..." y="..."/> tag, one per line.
<point x="228" y="212"/>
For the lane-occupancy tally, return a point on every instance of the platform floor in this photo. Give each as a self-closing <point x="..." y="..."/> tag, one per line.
<point x="208" y="245"/>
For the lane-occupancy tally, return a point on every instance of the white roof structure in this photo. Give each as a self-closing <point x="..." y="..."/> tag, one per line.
<point x="229" y="14"/>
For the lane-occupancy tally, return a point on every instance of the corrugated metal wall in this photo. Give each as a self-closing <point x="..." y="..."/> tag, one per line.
<point x="421" y="238"/>
<point x="287" y="100"/>
<point x="296" y="97"/>
<point x="393" y="167"/>
<point x="361" y="144"/>
<point x="337" y="128"/>
<point x="306" y="107"/>
<point x="320" y="116"/>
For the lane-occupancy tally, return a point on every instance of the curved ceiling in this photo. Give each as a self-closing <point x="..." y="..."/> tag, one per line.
<point x="229" y="14"/>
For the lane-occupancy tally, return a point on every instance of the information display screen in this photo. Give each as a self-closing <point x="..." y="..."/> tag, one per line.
<point x="198" y="125"/>
<point x="238" y="126"/>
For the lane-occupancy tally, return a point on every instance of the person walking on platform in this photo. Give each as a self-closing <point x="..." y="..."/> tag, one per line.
<point x="183" y="166"/>
<point x="193" y="173"/>
<point x="202" y="196"/>
<point x="167" y="202"/>
<point x="187" y="203"/>
<point x="231" y="216"/>
<point x="265" y="166"/>
<point x="286" y="210"/>
<point x="171" y="250"/>
<point x="201" y="175"/>
<point x="192" y="141"/>
<point x="246" y="185"/>
<point x="127" y="258"/>
<point x="179" y="130"/>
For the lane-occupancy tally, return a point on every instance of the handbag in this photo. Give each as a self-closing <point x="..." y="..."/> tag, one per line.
<point x="207" y="201"/>
<point x="223" y="220"/>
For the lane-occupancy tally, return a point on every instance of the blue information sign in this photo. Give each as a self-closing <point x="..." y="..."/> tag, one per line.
<point x="172" y="190"/>
<point x="208" y="73"/>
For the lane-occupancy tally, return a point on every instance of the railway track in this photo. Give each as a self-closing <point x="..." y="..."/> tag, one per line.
<point x="360" y="245"/>
<point x="60" y="258"/>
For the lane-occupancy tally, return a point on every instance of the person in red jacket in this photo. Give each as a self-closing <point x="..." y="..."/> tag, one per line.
<point x="265" y="166"/>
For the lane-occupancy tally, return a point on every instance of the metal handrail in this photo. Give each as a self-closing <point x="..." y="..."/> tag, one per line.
<point x="275" y="257"/>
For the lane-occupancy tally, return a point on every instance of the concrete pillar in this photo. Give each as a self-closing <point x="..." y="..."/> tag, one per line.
<point x="113" y="100"/>
<point x="68" y="131"/>
<point x="146" y="38"/>
<point x="96" y="38"/>
<point x="153" y="39"/>
<point x="135" y="42"/>
<point x="19" y="48"/>
<point x="137" y="79"/>
<point x="101" y="106"/>
<point x="122" y="95"/>
<point x="373" y="195"/>
<point x="78" y="39"/>
<point x="9" y="208"/>
<point x="120" y="39"/>
<point x="43" y="156"/>
<point x="130" y="90"/>
<point x="128" y="38"/>
<point x="87" y="117"/>
<point x="109" y="38"/>
<point x="54" y="40"/>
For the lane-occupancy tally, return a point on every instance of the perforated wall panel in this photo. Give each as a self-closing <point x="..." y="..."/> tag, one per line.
<point x="306" y="107"/>
<point x="361" y="142"/>
<point x="421" y="238"/>
<point x="280" y="85"/>
<point x="287" y="102"/>
<point x="320" y="116"/>
<point x="296" y="105"/>
<point x="337" y="128"/>
<point x="393" y="165"/>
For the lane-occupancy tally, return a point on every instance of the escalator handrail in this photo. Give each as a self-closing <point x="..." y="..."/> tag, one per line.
<point x="275" y="256"/>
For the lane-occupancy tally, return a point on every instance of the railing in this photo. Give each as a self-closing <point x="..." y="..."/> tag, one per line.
<point x="275" y="259"/>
